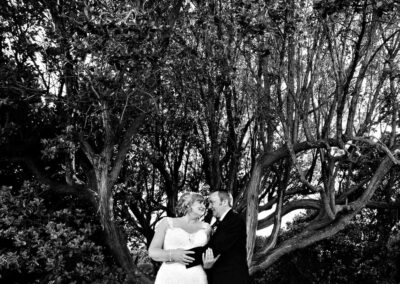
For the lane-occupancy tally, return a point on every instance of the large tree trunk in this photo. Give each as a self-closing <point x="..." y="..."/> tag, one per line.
<point x="117" y="244"/>
<point x="252" y="210"/>
<point x="114" y="237"/>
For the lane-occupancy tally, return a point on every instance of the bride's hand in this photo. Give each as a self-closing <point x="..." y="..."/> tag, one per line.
<point x="209" y="259"/>
<point x="182" y="256"/>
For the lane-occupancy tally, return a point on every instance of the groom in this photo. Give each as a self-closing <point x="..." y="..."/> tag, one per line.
<point x="228" y="243"/>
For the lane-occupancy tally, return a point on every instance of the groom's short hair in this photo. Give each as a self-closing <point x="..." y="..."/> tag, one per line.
<point x="224" y="195"/>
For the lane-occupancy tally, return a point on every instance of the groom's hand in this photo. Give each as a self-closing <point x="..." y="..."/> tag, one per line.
<point x="209" y="259"/>
<point x="182" y="256"/>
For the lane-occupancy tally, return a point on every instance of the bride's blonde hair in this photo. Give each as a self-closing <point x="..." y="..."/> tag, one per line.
<point x="186" y="201"/>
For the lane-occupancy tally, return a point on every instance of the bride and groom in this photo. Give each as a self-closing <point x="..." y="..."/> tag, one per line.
<point x="194" y="252"/>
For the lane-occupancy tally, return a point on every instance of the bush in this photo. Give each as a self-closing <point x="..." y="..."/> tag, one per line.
<point x="362" y="253"/>
<point x="49" y="246"/>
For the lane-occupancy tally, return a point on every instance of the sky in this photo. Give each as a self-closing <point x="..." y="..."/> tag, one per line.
<point x="287" y="218"/>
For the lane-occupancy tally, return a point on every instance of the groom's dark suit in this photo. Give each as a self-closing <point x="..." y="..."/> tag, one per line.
<point x="229" y="240"/>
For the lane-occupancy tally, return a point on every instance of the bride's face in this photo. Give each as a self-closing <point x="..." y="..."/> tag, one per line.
<point x="198" y="208"/>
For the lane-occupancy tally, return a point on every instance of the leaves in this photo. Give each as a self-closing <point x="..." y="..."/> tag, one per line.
<point x="358" y="254"/>
<point x="37" y="242"/>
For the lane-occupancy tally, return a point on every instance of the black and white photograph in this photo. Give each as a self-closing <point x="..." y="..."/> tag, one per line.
<point x="200" y="141"/>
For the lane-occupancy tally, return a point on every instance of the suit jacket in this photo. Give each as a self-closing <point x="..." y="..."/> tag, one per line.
<point x="229" y="240"/>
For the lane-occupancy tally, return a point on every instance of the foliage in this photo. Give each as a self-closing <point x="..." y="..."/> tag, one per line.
<point x="366" y="251"/>
<point x="56" y="246"/>
<point x="393" y="247"/>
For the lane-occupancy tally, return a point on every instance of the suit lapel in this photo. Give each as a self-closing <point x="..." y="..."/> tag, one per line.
<point x="224" y="221"/>
<point x="227" y="217"/>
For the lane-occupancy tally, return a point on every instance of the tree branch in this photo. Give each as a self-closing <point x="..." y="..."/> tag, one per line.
<point x="310" y="236"/>
<point x="124" y="147"/>
<point x="79" y="191"/>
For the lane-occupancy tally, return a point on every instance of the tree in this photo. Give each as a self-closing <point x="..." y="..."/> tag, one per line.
<point x="358" y="254"/>
<point x="92" y="52"/>
<point x="326" y="131"/>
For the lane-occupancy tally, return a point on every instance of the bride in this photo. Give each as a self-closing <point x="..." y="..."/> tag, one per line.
<point x="175" y="237"/>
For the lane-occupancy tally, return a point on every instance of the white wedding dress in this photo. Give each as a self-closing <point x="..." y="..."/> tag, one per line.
<point x="177" y="273"/>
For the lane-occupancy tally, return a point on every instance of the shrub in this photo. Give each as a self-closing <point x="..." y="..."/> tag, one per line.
<point x="39" y="244"/>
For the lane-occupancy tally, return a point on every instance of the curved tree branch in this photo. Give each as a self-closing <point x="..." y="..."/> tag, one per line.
<point x="310" y="236"/>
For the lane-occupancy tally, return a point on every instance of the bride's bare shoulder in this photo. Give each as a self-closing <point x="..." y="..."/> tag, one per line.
<point x="164" y="223"/>
<point x="206" y="225"/>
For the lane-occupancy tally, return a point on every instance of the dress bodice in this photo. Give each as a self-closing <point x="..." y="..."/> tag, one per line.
<point x="175" y="272"/>
<point x="176" y="237"/>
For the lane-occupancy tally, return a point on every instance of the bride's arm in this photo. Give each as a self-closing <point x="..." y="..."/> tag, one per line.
<point x="158" y="253"/>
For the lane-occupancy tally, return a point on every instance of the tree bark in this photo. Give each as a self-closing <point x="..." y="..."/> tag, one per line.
<point x="113" y="234"/>
<point x="252" y="210"/>
<point x="310" y="236"/>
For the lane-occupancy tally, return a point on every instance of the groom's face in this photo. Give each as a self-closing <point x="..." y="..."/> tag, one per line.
<point x="216" y="205"/>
